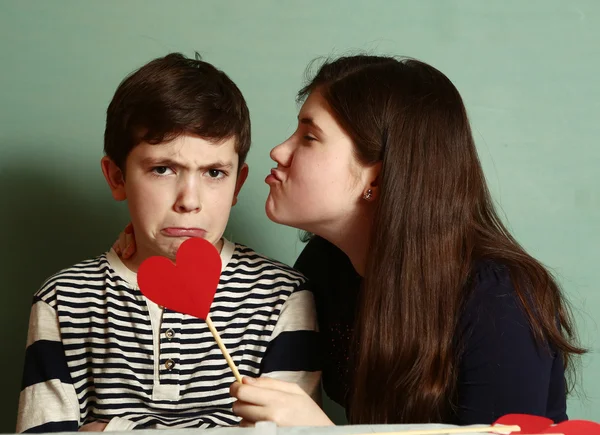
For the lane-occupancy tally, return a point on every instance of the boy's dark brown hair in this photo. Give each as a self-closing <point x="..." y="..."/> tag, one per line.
<point x="171" y="96"/>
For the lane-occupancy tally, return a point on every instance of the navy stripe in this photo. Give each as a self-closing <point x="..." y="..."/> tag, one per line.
<point x="138" y="308"/>
<point x="111" y="316"/>
<point x="293" y="351"/>
<point x="104" y="336"/>
<point x="238" y="316"/>
<point x="95" y="275"/>
<point x="195" y="361"/>
<point x="148" y="384"/>
<point x="143" y="406"/>
<point x="195" y="412"/>
<point x="203" y="389"/>
<point x="120" y="385"/>
<point x="217" y="418"/>
<point x="188" y="351"/>
<point x="262" y="292"/>
<point x="249" y="306"/>
<point x="36" y="298"/>
<point x="256" y="264"/>
<point x="276" y="277"/>
<point x="91" y="284"/>
<point x="103" y="294"/>
<point x="108" y="315"/>
<point x="45" y="360"/>
<point x="125" y="309"/>
<point x="43" y="293"/>
<point x="85" y="336"/>
<point x="55" y="426"/>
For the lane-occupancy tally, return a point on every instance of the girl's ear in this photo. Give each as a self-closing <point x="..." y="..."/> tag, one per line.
<point x="371" y="183"/>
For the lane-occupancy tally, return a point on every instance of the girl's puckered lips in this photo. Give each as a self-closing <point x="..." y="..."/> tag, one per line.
<point x="274" y="177"/>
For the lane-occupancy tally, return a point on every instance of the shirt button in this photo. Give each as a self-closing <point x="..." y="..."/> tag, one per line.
<point x="169" y="333"/>
<point x="169" y="364"/>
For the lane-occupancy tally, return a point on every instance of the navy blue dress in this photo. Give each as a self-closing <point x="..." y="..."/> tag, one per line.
<point x="501" y="370"/>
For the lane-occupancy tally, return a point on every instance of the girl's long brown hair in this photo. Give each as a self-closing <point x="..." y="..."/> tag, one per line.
<point x="434" y="220"/>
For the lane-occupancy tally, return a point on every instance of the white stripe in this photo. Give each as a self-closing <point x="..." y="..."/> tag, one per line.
<point x="46" y="402"/>
<point x="294" y="316"/>
<point x="43" y="324"/>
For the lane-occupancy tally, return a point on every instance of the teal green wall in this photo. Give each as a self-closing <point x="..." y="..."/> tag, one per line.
<point x="528" y="70"/>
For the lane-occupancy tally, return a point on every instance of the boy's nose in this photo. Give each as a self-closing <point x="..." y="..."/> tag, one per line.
<point x="188" y="199"/>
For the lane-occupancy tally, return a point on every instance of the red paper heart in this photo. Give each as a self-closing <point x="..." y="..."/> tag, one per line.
<point x="188" y="286"/>
<point x="574" y="427"/>
<point x="532" y="424"/>
<point x="529" y="424"/>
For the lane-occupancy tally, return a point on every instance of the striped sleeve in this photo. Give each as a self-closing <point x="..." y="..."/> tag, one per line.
<point x="293" y="354"/>
<point x="48" y="401"/>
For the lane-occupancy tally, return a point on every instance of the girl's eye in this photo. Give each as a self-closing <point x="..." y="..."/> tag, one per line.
<point x="309" y="138"/>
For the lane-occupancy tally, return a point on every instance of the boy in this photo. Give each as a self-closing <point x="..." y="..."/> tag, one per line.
<point x="100" y="356"/>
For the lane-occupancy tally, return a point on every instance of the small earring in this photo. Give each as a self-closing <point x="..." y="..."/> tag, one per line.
<point x="368" y="194"/>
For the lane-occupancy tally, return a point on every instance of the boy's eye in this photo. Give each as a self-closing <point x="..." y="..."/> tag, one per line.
<point x="309" y="138"/>
<point x="161" y="170"/>
<point x="215" y="173"/>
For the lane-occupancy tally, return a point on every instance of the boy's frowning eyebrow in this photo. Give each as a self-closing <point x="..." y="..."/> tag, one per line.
<point x="161" y="161"/>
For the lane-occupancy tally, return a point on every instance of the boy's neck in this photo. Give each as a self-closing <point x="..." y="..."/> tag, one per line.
<point x="133" y="263"/>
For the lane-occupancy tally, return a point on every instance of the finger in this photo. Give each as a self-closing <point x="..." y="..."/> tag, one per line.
<point x="273" y="384"/>
<point x="251" y="413"/>
<point x="129" y="228"/>
<point x="129" y="239"/>
<point x="95" y="426"/>
<point x="236" y="385"/>
<point x="257" y="395"/>
<point x="131" y="246"/>
<point x="233" y="388"/>
<point x="122" y="242"/>
<point x="246" y="423"/>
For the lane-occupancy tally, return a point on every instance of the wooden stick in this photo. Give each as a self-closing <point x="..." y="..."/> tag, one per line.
<point x="501" y="429"/>
<point x="217" y="338"/>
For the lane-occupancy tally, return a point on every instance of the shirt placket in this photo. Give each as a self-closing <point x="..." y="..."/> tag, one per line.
<point x="169" y="368"/>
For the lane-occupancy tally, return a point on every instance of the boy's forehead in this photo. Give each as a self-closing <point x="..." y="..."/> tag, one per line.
<point x="191" y="150"/>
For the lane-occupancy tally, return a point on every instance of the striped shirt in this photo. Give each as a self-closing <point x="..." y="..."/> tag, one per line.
<point x="97" y="349"/>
